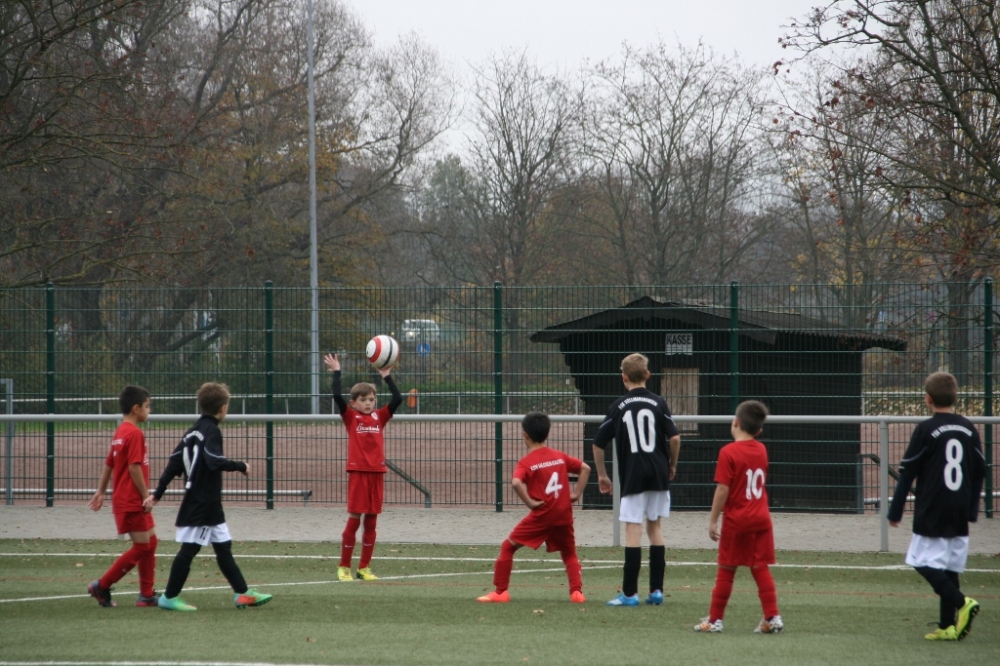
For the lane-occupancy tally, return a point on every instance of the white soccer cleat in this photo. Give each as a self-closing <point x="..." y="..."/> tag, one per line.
<point x="772" y="626"/>
<point x="707" y="627"/>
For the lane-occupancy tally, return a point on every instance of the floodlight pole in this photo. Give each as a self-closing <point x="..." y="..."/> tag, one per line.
<point x="313" y="253"/>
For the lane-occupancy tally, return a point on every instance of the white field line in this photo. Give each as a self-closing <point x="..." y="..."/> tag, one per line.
<point x="589" y="565"/>
<point x="145" y="663"/>
<point x="559" y="569"/>
<point x="524" y="560"/>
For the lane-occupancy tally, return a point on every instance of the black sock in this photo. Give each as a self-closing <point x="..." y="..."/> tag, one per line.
<point x="657" y="564"/>
<point x="630" y="576"/>
<point x="227" y="565"/>
<point x="180" y="569"/>
<point x="944" y="584"/>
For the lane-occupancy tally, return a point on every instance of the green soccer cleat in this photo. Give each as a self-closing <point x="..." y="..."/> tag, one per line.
<point x="344" y="574"/>
<point x="965" y="615"/>
<point x="939" y="634"/>
<point x="366" y="574"/>
<point x="251" y="598"/>
<point x="175" y="604"/>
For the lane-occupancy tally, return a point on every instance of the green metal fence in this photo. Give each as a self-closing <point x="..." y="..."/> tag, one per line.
<point x="804" y="349"/>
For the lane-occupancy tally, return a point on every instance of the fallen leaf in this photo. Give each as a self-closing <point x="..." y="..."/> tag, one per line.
<point x="310" y="640"/>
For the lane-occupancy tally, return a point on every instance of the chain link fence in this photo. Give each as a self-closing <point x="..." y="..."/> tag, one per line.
<point x="803" y="349"/>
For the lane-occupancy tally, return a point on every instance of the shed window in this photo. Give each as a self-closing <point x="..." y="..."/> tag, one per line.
<point x="679" y="387"/>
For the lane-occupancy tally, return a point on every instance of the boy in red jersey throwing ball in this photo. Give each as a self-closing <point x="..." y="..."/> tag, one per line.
<point x="365" y="464"/>
<point x="127" y="465"/>
<point x="747" y="538"/>
<point x="541" y="481"/>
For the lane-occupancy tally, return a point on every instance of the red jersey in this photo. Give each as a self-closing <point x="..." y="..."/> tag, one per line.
<point x="128" y="447"/>
<point x="544" y="473"/>
<point x="743" y="467"/>
<point x="366" y="439"/>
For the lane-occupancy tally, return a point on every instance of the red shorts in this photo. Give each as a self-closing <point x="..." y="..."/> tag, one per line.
<point x="533" y="533"/>
<point x="134" y="521"/>
<point x="746" y="549"/>
<point x="365" y="491"/>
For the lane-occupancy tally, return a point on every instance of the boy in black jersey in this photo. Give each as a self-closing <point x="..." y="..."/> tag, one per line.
<point x="647" y="443"/>
<point x="945" y="458"/>
<point x="200" y="519"/>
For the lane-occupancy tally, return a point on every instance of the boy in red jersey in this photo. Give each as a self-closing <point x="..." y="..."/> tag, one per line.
<point x="540" y="480"/>
<point x="365" y="464"/>
<point x="127" y="465"/>
<point x="747" y="538"/>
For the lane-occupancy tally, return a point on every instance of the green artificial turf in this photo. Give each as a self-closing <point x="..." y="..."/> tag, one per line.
<point x="838" y="608"/>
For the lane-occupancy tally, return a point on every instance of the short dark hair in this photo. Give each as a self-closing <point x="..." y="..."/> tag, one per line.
<point x="751" y="415"/>
<point x="212" y="397"/>
<point x="942" y="387"/>
<point x="362" y="389"/>
<point x="536" y="425"/>
<point x="130" y="397"/>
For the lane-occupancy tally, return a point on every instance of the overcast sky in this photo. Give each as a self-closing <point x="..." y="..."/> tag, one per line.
<point x="565" y="32"/>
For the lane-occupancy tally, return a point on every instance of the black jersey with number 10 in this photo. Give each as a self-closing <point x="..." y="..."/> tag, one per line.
<point x="641" y="426"/>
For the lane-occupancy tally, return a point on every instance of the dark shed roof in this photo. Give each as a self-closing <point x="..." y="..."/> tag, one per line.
<point x="761" y="325"/>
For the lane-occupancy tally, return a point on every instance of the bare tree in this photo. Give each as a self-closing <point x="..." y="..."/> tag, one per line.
<point x="492" y="219"/>
<point x="934" y="70"/>
<point x="845" y="218"/>
<point x="672" y="144"/>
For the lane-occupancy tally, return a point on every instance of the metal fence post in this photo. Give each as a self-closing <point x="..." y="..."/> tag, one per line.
<point x="50" y="393"/>
<point x="988" y="389"/>
<point x="269" y="386"/>
<point x="9" y="445"/>
<point x="883" y="485"/>
<point x="498" y="389"/>
<point x="734" y="344"/>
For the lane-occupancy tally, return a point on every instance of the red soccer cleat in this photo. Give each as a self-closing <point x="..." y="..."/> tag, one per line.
<point x="495" y="598"/>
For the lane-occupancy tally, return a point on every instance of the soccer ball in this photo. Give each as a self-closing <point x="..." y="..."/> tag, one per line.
<point x="382" y="351"/>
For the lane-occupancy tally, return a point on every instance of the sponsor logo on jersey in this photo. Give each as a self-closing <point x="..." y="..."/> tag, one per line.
<point x="368" y="428"/>
<point x="629" y="401"/>
<point x="951" y="428"/>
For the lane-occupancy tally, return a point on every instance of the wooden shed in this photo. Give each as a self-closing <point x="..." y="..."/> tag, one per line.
<point x="793" y="363"/>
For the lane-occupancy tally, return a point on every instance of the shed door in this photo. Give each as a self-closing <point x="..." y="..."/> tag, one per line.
<point x="679" y="387"/>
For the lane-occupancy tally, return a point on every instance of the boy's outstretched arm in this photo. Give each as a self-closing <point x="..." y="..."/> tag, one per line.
<point x="581" y="482"/>
<point x="333" y="365"/>
<point x="397" y="398"/>
<point x="174" y="468"/>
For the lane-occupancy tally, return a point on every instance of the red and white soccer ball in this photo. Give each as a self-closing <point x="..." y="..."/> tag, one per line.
<point x="382" y="351"/>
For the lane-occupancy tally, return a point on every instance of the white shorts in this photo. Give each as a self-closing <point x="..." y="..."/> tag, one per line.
<point x="948" y="554"/>
<point x="203" y="535"/>
<point x="648" y="505"/>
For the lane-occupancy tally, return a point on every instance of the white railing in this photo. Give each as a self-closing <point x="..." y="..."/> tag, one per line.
<point x="883" y="423"/>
